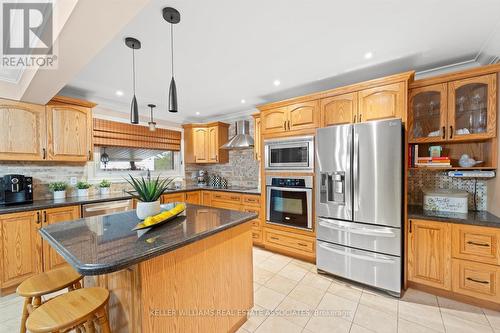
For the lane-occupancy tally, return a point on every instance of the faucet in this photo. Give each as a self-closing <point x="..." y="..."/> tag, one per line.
<point x="149" y="175"/>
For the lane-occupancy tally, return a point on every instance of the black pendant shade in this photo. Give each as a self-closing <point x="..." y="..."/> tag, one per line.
<point x="172" y="16"/>
<point x="104" y="158"/>
<point x="134" y="44"/>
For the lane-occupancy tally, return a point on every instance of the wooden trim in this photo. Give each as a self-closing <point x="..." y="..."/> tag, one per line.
<point x="483" y="70"/>
<point x="406" y="76"/>
<point x="72" y="101"/>
<point x="215" y="123"/>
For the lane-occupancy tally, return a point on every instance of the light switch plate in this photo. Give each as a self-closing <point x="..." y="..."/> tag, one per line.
<point x="73" y="180"/>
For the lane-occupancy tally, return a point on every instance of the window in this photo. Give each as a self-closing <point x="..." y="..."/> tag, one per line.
<point x="161" y="161"/>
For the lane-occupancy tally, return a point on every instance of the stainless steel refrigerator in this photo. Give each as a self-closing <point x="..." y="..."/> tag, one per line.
<point x="359" y="190"/>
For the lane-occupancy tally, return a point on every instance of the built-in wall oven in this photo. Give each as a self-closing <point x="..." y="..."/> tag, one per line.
<point x="289" y="201"/>
<point x="290" y="154"/>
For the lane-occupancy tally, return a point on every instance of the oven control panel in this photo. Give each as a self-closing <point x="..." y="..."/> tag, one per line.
<point x="288" y="182"/>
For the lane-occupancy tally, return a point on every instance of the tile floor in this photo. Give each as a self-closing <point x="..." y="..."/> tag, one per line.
<point x="291" y="297"/>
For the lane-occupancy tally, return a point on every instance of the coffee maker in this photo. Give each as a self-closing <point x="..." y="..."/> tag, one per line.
<point x="16" y="189"/>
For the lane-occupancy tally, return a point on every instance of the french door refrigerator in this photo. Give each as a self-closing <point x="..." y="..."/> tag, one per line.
<point x="359" y="170"/>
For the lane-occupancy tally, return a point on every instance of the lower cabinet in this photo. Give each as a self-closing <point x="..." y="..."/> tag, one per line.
<point x="173" y="197"/>
<point x="461" y="259"/>
<point x="291" y="243"/>
<point x="193" y="197"/>
<point x="23" y="252"/>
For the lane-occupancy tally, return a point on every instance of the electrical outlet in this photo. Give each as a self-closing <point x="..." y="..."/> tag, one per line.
<point x="73" y="180"/>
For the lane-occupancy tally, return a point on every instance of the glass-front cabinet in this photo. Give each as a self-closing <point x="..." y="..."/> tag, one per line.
<point x="428" y="113"/>
<point x="472" y="109"/>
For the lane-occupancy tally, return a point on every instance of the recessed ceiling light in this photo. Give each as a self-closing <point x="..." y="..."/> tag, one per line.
<point x="276" y="82"/>
<point x="368" y="55"/>
<point x="197" y="113"/>
<point x="119" y="93"/>
<point x="243" y="101"/>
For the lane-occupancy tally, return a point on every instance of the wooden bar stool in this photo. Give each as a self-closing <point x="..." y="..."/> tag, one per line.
<point x="75" y="309"/>
<point x="33" y="288"/>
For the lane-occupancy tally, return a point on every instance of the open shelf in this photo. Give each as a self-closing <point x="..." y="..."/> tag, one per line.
<point x="452" y="168"/>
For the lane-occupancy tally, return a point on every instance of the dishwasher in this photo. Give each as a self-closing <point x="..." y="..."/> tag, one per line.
<point x="109" y="207"/>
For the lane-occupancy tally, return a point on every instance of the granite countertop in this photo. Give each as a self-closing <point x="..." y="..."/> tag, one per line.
<point x="481" y="218"/>
<point x="51" y="203"/>
<point x="104" y="244"/>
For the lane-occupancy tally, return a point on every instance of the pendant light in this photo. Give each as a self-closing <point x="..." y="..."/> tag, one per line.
<point x="134" y="44"/>
<point x="152" y="124"/>
<point x="172" y="16"/>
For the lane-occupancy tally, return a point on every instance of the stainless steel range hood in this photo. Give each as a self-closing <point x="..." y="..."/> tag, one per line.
<point x="242" y="139"/>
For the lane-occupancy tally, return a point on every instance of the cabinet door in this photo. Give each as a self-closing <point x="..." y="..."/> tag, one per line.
<point x="22" y="131"/>
<point x="213" y="144"/>
<point x="174" y="197"/>
<point x="69" y="131"/>
<point x="200" y="145"/>
<point x="428" y="114"/>
<point x="51" y="259"/>
<point x="205" y="198"/>
<point x="337" y="110"/>
<point x="429" y="253"/>
<point x="257" y="139"/>
<point x="472" y="108"/>
<point x="381" y="102"/>
<point x="274" y="121"/>
<point x="303" y="116"/>
<point x="193" y="197"/>
<point x="20" y="247"/>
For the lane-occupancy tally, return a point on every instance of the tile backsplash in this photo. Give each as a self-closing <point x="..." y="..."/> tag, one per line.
<point x="419" y="180"/>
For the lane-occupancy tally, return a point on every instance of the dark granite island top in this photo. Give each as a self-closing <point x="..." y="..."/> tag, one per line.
<point x="104" y="244"/>
<point x="481" y="218"/>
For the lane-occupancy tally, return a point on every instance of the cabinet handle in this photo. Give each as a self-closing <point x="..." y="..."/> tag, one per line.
<point x="444" y="132"/>
<point x="409" y="226"/>
<point x="234" y="198"/>
<point x="44" y="153"/>
<point x="37" y="217"/>
<point x="354" y="120"/>
<point x="216" y="157"/>
<point x="302" y="244"/>
<point x="90" y="155"/>
<point x="478" y="281"/>
<point x="289" y="125"/>
<point x="284" y="125"/>
<point x="44" y="216"/>
<point x="359" y="118"/>
<point x="451" y="132"/>
<point x="478" y="244"/>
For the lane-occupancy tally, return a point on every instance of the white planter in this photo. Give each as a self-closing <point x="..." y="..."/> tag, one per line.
<point x="104" y="190"/>
<point x="82" y="192"/>
<point x="145" y="209"/>
<point x="59" y="194"/>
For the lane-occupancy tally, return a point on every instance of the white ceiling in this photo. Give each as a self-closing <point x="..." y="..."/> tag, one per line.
<point x="229" y="50"/>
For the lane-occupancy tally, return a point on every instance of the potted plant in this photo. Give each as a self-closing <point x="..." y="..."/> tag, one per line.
<point x="148" y="193"/>
<point x="59" y="189"/>
<point x="83" y="188"/>
<point x="104" y="186"/>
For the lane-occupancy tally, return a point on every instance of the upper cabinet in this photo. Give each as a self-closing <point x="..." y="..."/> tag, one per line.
<point x="69" y="129"/>
<point x="202" y="143"/>
<point x="59" y="131"/>
<point x="256" y="137"/>
<point x="290" y="118"/>
<point x="339" y="110"/>
<point x="382" y="102"/>
<point x="455" y="110"/>
<point x="23" y="133"/>
<point x="472" y="107"/>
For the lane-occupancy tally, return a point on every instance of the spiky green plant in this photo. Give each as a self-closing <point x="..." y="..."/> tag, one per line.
<point x="148" y="190"/>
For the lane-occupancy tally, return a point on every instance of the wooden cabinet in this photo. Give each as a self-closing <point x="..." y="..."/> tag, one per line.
<point x="476" y="280"/>
<point x="338" y="110"/>
<point x="51" y="259"/>
<point x="173" y="197"/>
<point x="427" y="119"/>
<point x="202" y="143"/>
<point x="205" y="198"/>
<point x="22" y="131"/>
<point x="20" y="247"/>
<point x="472" y="104"/>
<point x="382" y="102"/>
<point x="476" y="243"/>
<point x="429" y="253"/>
<point x="295" y="117"/>
<point x="193" y="197"/>
<point x="288" y="242"/>
<point x="257" y="148"/>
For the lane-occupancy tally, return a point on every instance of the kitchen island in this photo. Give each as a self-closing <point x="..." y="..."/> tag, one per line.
<point x="193" y="274"/>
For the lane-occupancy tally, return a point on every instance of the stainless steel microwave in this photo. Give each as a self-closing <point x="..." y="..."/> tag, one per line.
<point x="295" y="153"/>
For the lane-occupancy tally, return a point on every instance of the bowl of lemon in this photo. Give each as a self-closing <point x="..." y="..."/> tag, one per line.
<point x="161" y="218"/>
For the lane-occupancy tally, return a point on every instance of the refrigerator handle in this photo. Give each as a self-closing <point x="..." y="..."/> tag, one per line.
<point x="355" y="169"/>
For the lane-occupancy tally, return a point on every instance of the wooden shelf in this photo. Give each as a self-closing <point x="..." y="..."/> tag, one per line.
<point x="452" y="168"/>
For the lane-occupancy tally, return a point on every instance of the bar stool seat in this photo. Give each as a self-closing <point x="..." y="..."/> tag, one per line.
<point x="49" y="282"/>
<point x="70" y="310"/>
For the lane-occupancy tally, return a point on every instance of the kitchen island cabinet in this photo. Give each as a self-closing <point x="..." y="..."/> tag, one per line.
<point x="193" y="274"/>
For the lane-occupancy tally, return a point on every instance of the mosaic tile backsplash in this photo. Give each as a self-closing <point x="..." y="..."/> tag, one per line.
<point x="419" y="180"/>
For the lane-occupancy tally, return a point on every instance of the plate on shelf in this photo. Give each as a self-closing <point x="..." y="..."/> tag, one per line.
<point x="141" y="226"/>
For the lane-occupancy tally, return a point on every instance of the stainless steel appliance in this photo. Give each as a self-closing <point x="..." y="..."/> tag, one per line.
<point x="289" y="201"/>
<point x="109" y="207"/>
<point x="242" y="139"/>
<point x="16" y="189"/>
<point x="359" y="202"/>
<point x="295" y="153"/>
